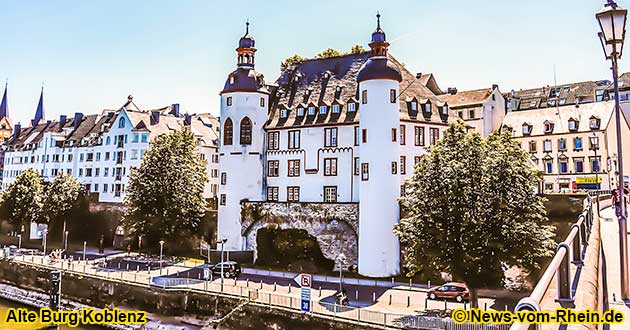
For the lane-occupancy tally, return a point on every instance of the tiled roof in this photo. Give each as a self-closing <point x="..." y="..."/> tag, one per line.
<point x="324" y="81"/>
<point x="90" y="128"/>
<point x="466" y="98"/>
<point x="551" y="96"/>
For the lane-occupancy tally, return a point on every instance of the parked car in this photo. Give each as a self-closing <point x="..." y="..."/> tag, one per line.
<point x="451" y="290"/>
<point x="230" y="269"/>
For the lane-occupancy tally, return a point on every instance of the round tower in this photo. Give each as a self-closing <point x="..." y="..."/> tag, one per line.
<point x="244" y="104"/>
<point x="379" y="188"/>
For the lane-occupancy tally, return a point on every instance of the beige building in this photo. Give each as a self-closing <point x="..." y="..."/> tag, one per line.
<point x="575" y="147"/>
<point x="481" y="109"/>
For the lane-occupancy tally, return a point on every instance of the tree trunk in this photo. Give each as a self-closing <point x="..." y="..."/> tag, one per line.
<point x="474" y="299"/>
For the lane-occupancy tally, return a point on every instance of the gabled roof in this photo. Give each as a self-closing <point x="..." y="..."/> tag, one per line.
<point x="335" y="79"/>
<point x="558" y="95"/>
<point x="466" y="99"/>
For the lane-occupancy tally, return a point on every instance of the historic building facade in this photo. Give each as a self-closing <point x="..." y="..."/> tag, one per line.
<point x="574" y="146"/>
<point x="481" y="109"/>
<point x="101" y="149"/>
<point x="328" y="134"/>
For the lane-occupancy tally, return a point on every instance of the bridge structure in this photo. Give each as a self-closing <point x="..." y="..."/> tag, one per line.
<point x="584" y="272"/>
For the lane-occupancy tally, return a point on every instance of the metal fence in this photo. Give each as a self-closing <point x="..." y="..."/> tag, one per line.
<point x="255" y="294"/>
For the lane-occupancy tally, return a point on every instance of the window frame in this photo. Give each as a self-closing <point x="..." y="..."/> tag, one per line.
<point x="293" y="168"/>
<point x="333" y="193"/>
<point x="273" y="168"/>
<point x="292" y="137"/>
<point x="330" y="166"/>
<point x="228" y="132"/>
<point x="245" y="131"/>
<point x="273" y="140"/>
<point x="330" y="137"/>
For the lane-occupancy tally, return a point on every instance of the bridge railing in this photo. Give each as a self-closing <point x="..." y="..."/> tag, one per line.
<point x="571" y="250"/>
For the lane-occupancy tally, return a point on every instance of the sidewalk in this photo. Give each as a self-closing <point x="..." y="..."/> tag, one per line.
<point x="610" y="246"/>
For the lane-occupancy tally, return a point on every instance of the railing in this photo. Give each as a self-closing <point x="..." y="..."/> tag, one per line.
<point x="571" y="250"/>
<point x="255" y="294"/>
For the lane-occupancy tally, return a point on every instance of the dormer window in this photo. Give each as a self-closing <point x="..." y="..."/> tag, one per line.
<point x="594" y="122"/>
<point x="335" y="108"/>
<point x="322" y="109"/>
<point x="231" y="80"/>
<point x="283" y="113"/>
<point x="300" y="112"/>
<point x="229" y="101"/>
<point x="527" y="129"/>
<point x="573" y="125"/>
<point x="427" y="107"/>
<point x="414" y="106"/>
<point x="445" y="110"/>
<point x="311" y="111"/>
<point x="562" y="101"/>
<point x="548" y="127"/>
<point x="351" y="107"/>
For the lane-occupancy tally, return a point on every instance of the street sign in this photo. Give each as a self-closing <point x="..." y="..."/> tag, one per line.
<point x="55" y="290"/>
<point x="305" y="296"/>
<point x="303" y="280"/>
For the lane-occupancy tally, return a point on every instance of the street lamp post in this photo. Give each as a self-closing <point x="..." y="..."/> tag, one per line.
<point x="84" y="249"/>
<point x="161" y="250"/>
<point x="44" y="241"/>
<point x="19" y="241"/>
<point x="595" y="145"/>
<point x="612" y="22"/>
<point x="139" y="244"/>
<point x="341" y="259"/>
<point x="222" y="242"/>
<point x="65" y="241"/>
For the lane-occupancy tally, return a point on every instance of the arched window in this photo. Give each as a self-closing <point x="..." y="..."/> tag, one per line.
<point x="121" y="123"/>
<point x="246" y="131"/>
<point x="228" y="132"/>
<point x="108" y="140"/>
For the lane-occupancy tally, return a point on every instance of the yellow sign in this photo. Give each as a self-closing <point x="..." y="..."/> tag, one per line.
<point x="587" y="180"/>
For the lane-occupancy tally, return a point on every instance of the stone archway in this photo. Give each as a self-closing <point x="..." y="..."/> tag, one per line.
<point x="335" y="226"/>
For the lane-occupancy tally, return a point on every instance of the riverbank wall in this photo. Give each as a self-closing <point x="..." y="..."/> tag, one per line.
<point x="102" y="293"/>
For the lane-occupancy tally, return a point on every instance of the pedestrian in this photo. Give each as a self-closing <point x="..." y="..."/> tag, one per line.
<point x="617" y="200"/>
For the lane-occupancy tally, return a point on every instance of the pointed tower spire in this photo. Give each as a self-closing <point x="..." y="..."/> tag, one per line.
<point x="4" y="111"/>
<point x="39" y="113"/>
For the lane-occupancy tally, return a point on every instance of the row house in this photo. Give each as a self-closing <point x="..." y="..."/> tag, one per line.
<point x="101" y="149"/>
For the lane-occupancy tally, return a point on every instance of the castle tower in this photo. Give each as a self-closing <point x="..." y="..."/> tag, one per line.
<point x="244" y="106"/>
<point x="39" y="113"/>
<point x="379" y="188"/>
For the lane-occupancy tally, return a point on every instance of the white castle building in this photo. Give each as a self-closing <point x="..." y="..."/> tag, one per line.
<point x="331" y="132"/>
<point x="100" y="149"/>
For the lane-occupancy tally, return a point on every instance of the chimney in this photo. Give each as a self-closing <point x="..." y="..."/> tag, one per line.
<point x="495" y="86"/>
<point x="77" y="119"/>
<point x="16" y="130"/>
<point x="187" y="119"/>
<point x="452" y="90"/>
<point x="155" y="117"/>
<point x="62" y="121"/>
<point x="175" y="109"/>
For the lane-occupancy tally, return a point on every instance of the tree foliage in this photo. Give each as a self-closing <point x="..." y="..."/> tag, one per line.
<point x="60" y="197"/>
<point x="357" y="49"/>
<point x="22" y="200"/>
<point x="471" y="210"/>
<point x="164" y="196"/>
<point x="329" y="53"/>
<point x="290" y="61"/>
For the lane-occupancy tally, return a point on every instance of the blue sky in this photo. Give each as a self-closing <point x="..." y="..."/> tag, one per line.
<point x="92" y="54"/>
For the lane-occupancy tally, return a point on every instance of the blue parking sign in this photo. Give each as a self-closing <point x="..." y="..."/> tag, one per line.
<point x="306" y="299"/>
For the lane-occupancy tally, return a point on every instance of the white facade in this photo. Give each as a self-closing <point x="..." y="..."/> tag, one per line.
<point x="101" y="150"/>
<point x="245" y="178"/>
<point x="379" y="248"/>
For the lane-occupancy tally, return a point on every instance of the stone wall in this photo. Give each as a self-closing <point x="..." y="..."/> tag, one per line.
<point x="335" y="225"/>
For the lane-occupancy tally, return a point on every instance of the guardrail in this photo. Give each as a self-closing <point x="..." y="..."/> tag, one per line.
<point x="255" y="295"/>
<point x="571" y="250"/>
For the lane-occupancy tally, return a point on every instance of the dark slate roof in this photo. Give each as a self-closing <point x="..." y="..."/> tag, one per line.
<point x="379" y="68"/>
<point x="245" y="80"/>
<point x="551" y="96"/>
<point x="325" y="81"/>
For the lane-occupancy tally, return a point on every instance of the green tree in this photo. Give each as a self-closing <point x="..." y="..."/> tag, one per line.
<point x="164" y="196"/>
<point x="60" y="197"/>
<point x="22" y="201"/>
<point x="356" y="49"/>
<point x="290" y="61"/>
<point x="329" y="53"/>
<point x="471" y="210"/>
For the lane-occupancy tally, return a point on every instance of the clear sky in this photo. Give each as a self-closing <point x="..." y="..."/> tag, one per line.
<point x="91" y="54"/>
